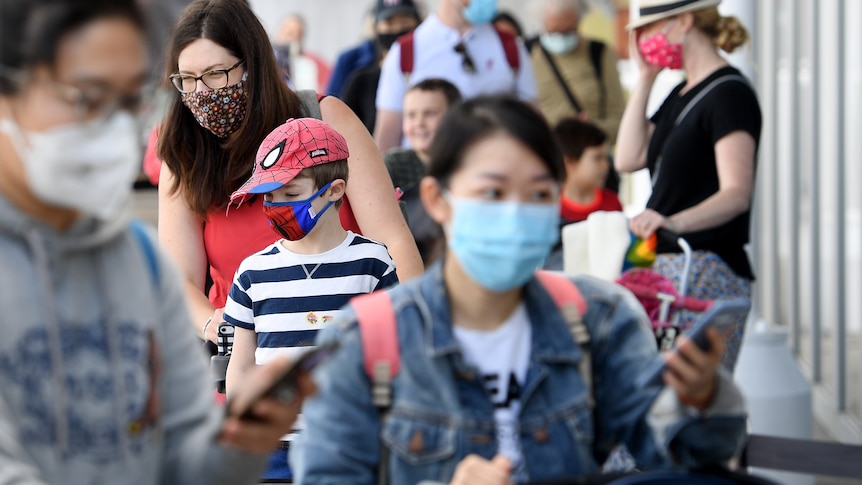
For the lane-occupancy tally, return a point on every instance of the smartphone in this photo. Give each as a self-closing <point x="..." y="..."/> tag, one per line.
<point x="285" y="387"/>
<point x="722" y="315"/>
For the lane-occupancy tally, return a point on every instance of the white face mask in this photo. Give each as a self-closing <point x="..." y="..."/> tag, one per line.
<point x="87" y="166"/>
<point x="559" y="43"/>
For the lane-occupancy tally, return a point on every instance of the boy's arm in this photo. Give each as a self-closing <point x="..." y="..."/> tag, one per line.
<point x="241" y="359"/>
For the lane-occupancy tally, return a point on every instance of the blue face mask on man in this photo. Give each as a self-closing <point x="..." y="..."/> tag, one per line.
<point x="480" y="11"/>
<point x="501" y="244"/>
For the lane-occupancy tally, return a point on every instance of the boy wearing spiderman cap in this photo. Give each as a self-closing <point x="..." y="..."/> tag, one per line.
<point x="282" y="295"/>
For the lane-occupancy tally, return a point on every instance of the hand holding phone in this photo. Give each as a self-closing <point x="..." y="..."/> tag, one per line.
<point x="283" y="387"/>
<point x="722" y="315"/>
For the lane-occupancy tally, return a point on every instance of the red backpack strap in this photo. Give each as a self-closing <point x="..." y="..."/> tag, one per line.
<point x="573" y="307"/>
<point x="510" y="48"/>
<point x="406" y="43"/>
<point x="379" y="334"/>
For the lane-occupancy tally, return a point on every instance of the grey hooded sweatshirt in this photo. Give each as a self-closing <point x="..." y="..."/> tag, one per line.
<point x="101" y="378"/>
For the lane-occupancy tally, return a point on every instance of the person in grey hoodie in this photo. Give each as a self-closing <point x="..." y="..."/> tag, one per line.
<point x="101" y="380"/>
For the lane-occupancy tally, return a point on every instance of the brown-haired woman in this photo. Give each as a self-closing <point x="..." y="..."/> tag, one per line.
<point x="700" y="147"/>
<point x="230" y="94"/>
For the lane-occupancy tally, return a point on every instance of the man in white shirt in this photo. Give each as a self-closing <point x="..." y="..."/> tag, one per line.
<point x="459" y="44"/>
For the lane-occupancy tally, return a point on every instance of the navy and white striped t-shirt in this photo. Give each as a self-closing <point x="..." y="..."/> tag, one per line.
<point x="285" y="298"/>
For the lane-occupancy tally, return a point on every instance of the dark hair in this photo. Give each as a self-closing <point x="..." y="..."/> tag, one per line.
<point x="503" y="16"/>
<point x="466" y="124"/>
<point x="442" y="86"/>
<point x="325" y="173"/>
<point x="575" y="136"/>
<point x="207" y="168"/>
<point x="30" y="31"/>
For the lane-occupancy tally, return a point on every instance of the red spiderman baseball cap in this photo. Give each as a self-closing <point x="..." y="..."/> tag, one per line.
<point x="297" y="144"/>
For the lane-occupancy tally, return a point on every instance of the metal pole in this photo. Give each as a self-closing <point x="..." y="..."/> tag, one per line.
<point x="793" y="113"/>
<point x="840" y="250"/>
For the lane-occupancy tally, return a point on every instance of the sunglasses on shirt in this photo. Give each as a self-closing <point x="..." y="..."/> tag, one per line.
<point x="466" y="60"/>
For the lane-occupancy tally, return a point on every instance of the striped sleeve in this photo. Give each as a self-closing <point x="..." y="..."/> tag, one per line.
<point x="238" y="310"/>
<point x="384" y="267"/>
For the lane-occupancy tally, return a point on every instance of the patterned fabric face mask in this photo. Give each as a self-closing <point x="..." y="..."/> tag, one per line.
<point x="294" y="220"/>
<point x="220" y="111"/>
<point x="658" y="51"/>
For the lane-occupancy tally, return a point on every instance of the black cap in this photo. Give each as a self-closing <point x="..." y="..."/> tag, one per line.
<point x="387" y="8"/>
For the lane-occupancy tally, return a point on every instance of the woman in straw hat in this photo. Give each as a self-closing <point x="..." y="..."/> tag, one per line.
<point x="700" y="147"/>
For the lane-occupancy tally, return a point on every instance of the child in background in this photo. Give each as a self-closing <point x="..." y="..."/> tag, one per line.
<point x="585" y="152"/>
<point x="284" y="293"/>
<point x="585" y="155"/>
<point x="424" y="107"/>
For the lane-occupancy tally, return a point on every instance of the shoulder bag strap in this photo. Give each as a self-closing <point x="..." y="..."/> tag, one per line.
<point x="597" y="50"/>
<point x="691" y="104"/>
<point x="562" y="82"/>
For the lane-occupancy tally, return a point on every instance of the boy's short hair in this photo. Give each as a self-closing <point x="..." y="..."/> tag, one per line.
<point x="442" y="86"/>
<point x="299" y="147"/>
<point x="574" y="136"/>
<point x="325" y="173"/>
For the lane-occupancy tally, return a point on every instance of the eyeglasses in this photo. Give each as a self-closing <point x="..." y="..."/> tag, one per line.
<point x="214" y="79"/>
<point x="101" y="103"/>
<point x="89" y="103"/>
<point x="466" y="60"/>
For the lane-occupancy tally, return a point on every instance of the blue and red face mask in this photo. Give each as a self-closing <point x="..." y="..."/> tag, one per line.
<point x="294" y="220"/>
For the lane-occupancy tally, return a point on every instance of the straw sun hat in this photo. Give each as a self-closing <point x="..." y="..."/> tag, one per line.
<point x="653" y="10"/>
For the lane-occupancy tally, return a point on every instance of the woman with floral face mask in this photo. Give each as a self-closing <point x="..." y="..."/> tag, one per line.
<point x="100" y="376"/>
<point x="489" y="389"/>
<point x="229" y="96"/>
<point x="700" y="147"/>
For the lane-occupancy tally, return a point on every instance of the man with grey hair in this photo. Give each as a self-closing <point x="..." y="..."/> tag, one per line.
<point x="575" y="76"/>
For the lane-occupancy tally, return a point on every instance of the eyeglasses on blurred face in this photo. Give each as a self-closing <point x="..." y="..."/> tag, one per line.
<point x="213" y="79"/>
<point x="95" y="101"/>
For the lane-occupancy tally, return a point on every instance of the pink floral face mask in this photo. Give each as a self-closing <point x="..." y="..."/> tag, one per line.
<point x="659" y="52"/>
<point x="221" y="110"/>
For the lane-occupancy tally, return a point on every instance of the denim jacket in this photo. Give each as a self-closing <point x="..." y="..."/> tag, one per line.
<point x="441" y="411"/>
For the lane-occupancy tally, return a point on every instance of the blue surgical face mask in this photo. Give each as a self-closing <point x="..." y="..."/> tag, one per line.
<point x="480" y="11"/>
<point x="559" y="43"/>
<point x="501" y="244"/>
<point x="294" y="220"/>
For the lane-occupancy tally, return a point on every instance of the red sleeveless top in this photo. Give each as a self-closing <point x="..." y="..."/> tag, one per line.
<point x="232" y="235"/>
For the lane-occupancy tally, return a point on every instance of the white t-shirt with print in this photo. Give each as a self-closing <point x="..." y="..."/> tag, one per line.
<point x="503" y="357"/>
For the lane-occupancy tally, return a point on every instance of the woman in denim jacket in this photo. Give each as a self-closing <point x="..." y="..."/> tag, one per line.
<point x="488" y="389"/>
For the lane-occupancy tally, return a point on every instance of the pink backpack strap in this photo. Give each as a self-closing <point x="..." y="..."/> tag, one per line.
<point x="573" y="307"/>
<point x="379" y="334"/>
<point x="562" y="290"/>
